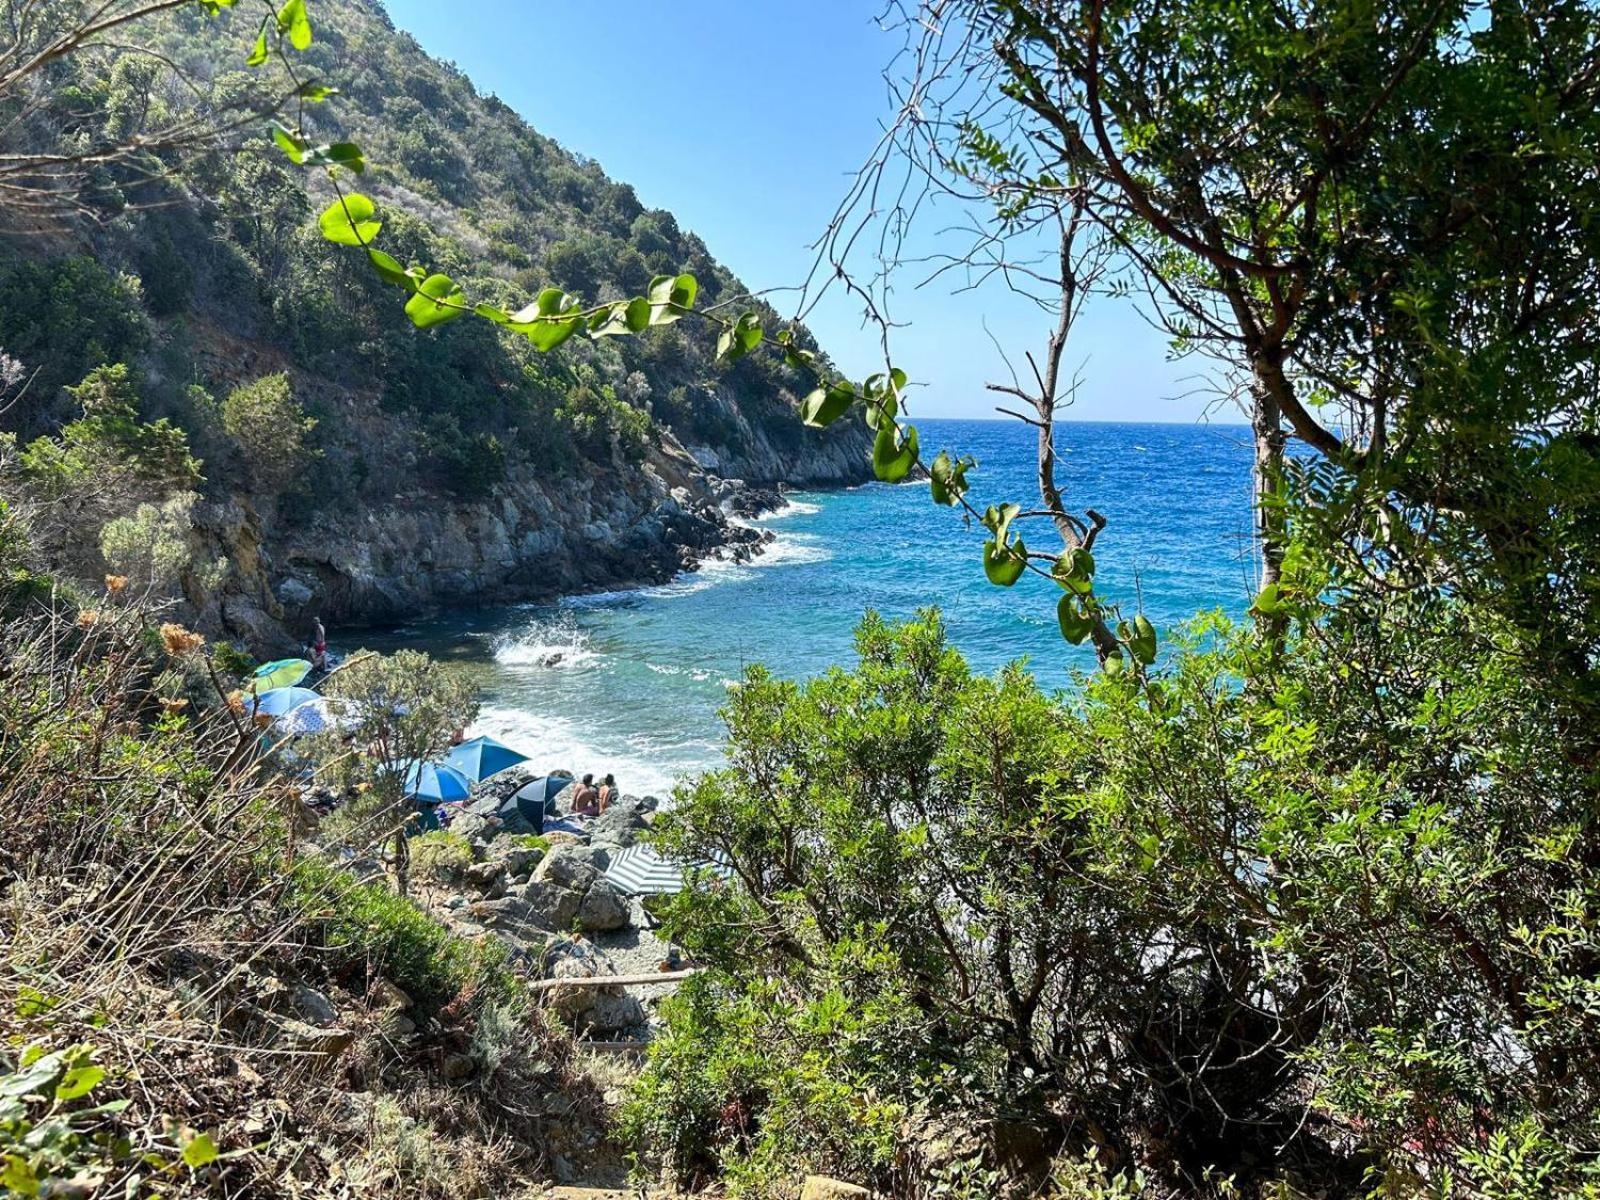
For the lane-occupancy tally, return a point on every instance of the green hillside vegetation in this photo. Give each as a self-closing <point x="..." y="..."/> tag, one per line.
<point x="215" y="275"/>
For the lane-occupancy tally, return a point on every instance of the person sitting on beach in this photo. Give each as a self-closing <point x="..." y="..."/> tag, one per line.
<point x="608" y="793"/>
<point x="586" y="800"/>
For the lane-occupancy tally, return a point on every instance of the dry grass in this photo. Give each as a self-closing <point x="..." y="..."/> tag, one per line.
<point x="158" y="909"/>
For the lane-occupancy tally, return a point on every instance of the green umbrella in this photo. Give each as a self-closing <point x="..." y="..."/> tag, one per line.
<point x="285" y="672"/>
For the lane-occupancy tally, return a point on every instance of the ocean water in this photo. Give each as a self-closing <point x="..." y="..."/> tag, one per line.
<point x="631" y="681"/>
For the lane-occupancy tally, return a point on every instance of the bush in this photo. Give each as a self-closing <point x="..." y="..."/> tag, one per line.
<point x="441" y="854"/>
<point x="65" y="316"/>
<point x="271" y="431"/>
<point x="1270" y="917"/>
<point x="366" y="925"/>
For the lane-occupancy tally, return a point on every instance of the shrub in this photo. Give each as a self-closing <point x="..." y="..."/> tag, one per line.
<point x="367" y="925"/>
<point x="151" y="547"/>
<point x="1274" y="916"/>
<point x="65" y="316"/>
<point x="441" y="854"/>
<point x="271" y="431"/>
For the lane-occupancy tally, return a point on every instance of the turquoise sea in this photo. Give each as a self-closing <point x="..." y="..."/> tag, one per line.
<point x="630" y="681"/>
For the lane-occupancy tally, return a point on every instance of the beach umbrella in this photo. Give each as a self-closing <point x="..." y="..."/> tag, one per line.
<point x="641" y="871"/>
<point x="285" y="672"/>
<point x="279" y="701"/>
<point x="482" y="757"/>
<point x="538" y="795"/>
<point x="436" y="783"/>
<point x="319" y="716"/>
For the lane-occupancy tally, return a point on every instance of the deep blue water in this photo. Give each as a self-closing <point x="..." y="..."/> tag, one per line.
<point x="643" y="672"/>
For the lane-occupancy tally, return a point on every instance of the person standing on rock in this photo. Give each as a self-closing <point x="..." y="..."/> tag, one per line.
<point x="319" y="644"/>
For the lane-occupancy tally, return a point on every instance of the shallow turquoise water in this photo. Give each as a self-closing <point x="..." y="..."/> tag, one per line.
<point x="641" y="673"/>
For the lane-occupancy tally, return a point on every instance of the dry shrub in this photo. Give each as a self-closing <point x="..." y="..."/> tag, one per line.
<point x="158" y="910"/>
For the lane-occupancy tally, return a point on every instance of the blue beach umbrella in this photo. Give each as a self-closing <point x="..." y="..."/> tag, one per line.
<point x="482" y="757"/>
<point x="436" y="783"/>
<point x="281" y="700"/>
<point x="285" y="672"/>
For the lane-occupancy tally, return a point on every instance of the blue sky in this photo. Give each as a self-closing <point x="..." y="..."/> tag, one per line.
<point x="747" y="122"/>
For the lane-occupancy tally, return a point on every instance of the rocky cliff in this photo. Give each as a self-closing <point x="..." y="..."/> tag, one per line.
<point x="410" y="469"/>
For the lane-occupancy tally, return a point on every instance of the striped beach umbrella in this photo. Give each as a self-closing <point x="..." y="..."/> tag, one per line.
<point x="285" y="672"/>
<point x="642" y="871"/>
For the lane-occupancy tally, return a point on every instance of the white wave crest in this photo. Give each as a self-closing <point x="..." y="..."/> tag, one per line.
<point x="555" y="643"/>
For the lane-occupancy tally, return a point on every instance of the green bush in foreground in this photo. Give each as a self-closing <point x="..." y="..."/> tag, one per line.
<point x="367" y="923"/>
<point x="1299" y="916"/>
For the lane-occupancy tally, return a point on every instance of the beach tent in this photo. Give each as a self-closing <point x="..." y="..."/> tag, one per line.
<point x="279" y="701"/>
<point x="319" y="716"/>
<point x="526" y="807"/>
<point x="482" y="757"/>
<point x="641" y="871"/>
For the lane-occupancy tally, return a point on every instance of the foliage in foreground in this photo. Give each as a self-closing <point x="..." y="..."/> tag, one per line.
<point x="1312" y="917"/>
<point x="160" y="907"/>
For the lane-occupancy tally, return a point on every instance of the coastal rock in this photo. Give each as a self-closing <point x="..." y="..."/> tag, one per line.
<point x="620" y="825"/>
<point x="605" y="907"/>
<point x="555" y="907"/>
<point x="821" y="1187"/>
<point x="567" y="867"/>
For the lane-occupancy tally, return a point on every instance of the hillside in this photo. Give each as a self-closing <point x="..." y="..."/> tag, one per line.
<point x="397" y="468"/>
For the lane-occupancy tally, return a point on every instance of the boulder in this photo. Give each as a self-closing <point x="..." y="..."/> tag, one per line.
<point x="820" y="1187"/>
<point x="315" y="1006"/>
<point x="517" y="858"/>
<point x="603" y="907"/>
<point x="620" y="825"/>
<point x="475" y="826"/>
<point x="609" y="1012"/>
<point x="486" y="877"/>
<point x="303" y="1038"/>
<point x="566" y="867"/>
<point x="553" y="907"/>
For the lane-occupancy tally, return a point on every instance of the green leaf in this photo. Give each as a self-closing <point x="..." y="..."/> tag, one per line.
<point x="660" y="294"/>
<point x="214" y="7"/>
<point x="79" y="1082"/>
<point x="884" y="409"/>
<point x="389" y="270"/>
<point x="947" y="478"/>
<point x="291" y="143"/>
<point x="684" y="289"/>
<point x="292" y="20"/>
<point x="437" y="301"/>
<point x="1143" y="640"/>
<point x="1115" y="664"/>
<point x="1267" y="601"/>
<point x="997" y="520"/>
<point x="826" y="405"/>
<point x="19" y="1177"/>
<point x="34" y="1076"/>
<point x="349" y="222"/>
<point x="315" y="93"/>
<point x="892" y="457"/>
<point x="200" y="1151"/>
<point x="1076" y="623"/>
<point x="738" y="339"/>
<point x="340" y="154"/>
<point x="1074" y="571"/>
<point x="258" y="52"/>
<point x="547" y="335"/>
<point x="1004" y="564"/>
<point x="636" y="316"/>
